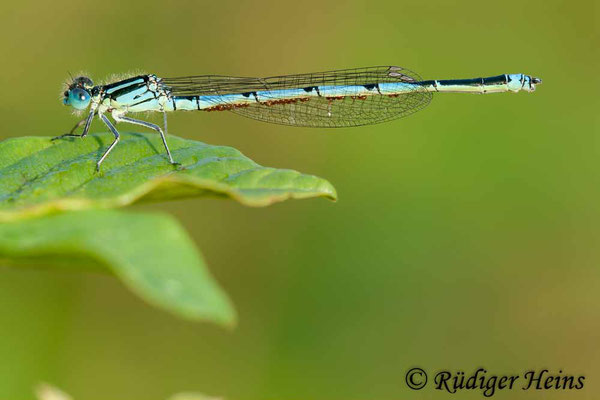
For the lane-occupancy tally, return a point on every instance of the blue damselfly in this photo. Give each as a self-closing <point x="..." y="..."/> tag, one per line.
<point x="341" y="98"/>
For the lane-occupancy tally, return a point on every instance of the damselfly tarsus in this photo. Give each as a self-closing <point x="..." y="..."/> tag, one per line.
<point x="341" y="98"/>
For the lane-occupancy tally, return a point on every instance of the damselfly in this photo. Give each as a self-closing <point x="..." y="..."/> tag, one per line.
<point x="341" y="98"/>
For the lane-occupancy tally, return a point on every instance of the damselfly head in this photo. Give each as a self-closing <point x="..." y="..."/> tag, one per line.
<point x="77" y="94"/>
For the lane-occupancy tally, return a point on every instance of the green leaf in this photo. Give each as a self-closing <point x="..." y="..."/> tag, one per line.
<point x="39" y="176"/>
<point x="150" y="253"/>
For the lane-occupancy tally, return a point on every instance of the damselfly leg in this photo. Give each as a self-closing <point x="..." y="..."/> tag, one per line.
<point x="87" y="121"/>
<point x="114" y="143"/>
<point x="150" y="125"/>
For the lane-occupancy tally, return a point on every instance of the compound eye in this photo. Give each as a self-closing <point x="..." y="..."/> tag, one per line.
<point x="79" y="98"/>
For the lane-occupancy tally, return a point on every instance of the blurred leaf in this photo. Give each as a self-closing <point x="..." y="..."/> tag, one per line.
<point x="45" y="391"/>
<point x="192" y="396"/>
<point x="150" y="253"/>
<point x="38" y="176"/>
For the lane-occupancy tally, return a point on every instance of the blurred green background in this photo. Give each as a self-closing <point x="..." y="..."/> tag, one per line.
<point x="466" y="235"/>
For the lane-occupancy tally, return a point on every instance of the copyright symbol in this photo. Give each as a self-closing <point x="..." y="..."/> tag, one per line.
<point x="416" y="378"/>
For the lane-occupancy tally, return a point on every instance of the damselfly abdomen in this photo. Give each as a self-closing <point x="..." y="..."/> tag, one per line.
<point x="331" y="99"/>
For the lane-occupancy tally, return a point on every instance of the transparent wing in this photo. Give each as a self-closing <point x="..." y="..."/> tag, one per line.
<point x="349" y="107"/>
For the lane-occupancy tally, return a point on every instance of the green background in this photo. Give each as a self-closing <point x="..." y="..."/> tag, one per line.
<point x="466" y="235"/>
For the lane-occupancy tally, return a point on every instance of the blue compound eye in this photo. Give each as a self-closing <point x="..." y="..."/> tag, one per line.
<point x="78" y="98"/>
